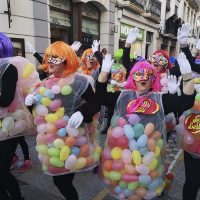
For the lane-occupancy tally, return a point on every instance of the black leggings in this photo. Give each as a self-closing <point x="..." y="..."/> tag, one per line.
<point x="8" y="183"/>
<point x="65" y="186"/>
<point x="192" y="173"/>
<point x="24" y="146"/>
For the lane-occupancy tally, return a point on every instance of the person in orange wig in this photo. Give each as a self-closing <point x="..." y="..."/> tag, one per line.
<point x="65" y="102"/>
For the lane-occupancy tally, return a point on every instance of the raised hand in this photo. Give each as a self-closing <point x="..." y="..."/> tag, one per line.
<point x="183" y="34"/>
<point x="95" y="46"/>
<point x="172" y="84"/>
<point x="132" y="36"/>
<point x="184" y="64"/>
<point x="107" y="63"/>
<point x="76" y="45"/>
<point x="30" y="47"/>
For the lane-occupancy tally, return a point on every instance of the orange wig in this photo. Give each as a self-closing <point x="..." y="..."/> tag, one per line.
<point x="61" y="50"/>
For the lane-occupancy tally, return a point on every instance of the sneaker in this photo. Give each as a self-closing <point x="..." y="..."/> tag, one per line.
<point x="14" y="161"/>
<point x="27" y="164"/>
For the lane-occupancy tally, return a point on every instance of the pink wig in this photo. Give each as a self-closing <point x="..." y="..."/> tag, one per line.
<point x="142" y="65"/>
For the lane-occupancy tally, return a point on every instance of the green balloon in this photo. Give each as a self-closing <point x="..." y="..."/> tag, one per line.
<point x="132" y="186"/>
<point x="139" y="130"/>
<point x="160" y="143"/>
<point x="42" y="149"/>
<point x="56" y="162"/>
<point x="54" y="152"/>
<point x="114" y="121"/>
<point x="123" y="184"/>
<point x="115" y="176"/>
<point x="160" y="170"/>
<point x="197" y="97"/>
<point x="44" y="168"/>
<point x="66" y="90"/>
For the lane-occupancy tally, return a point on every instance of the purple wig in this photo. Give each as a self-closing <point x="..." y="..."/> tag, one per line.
<point x="6" y="47"/>
<point x="137" y="67"/>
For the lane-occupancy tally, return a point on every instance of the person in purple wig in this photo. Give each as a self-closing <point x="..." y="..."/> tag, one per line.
<point x="9" y="186"/>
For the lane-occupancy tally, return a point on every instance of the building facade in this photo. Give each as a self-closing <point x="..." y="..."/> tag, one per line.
<point x="143" y="14"/>
<point x="42" y="22"/>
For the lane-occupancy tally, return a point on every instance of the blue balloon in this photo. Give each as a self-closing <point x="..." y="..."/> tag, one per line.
<point x="133" y="145"/>
<point x="38" y="97"/>
<point x="49" y="93"/>
<point x="129" y="132"/>
<point x="118" y="190"/>
<point x="65" y="117"/>
<point x="144" y="179"/>
<point x="142" y="140"/>
<point x="62" y="132"/>
<point x="143" y="150"/>
<point x="154" y="184"/>
<point x="75" y="151"/>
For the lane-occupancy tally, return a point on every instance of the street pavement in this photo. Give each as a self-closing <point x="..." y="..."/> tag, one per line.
<point x="37" y="186"/>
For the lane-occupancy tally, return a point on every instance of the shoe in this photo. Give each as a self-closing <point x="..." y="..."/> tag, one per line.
<point x="27" y="164"/>
<point x="14" y="161"/>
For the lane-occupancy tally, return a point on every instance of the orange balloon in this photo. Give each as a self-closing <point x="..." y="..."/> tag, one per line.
<point x="107" y="165"/>
<point x="135" y="197"/>
<point x="89" y="161"/>
<point x="156" y="135"/>
<point x="141" y="191"/>
<point x="84" y="150"/>
<point x="130" y="169"/>
<point x="113" y="183"/>
<point x="151" y="144"/>
<point x="154" y="174"/>
<point x="70" y="141"/>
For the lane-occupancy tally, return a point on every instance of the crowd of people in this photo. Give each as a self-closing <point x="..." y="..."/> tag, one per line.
<point x="64" y="102"/>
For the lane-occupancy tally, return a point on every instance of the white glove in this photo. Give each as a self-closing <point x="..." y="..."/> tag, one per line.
<point x="183" y="34"/>
<point x="163" y="80"/>
<point x="113" y="82"/>
<point x="132" y="36"/>
<point x="184" y="64"/>
<point x="30" y="100"/>
<point x="30" y="47"/>
<point x="95" y="46"/>
<point x="198" y="45"/>
<point x="76" y="46"/>
<point x="75" y="120"/>
<point x="107" y="63"/>
<point x="172" y="84"/>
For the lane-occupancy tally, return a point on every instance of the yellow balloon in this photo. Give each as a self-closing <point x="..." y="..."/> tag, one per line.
<point x="46" y="101"/>
<point x="51" y="118"/>
<point x="42" y="90"/>
<point x="0" y="124"/>
<point x="80" y="163"/>
<point x="98" y="149"/>
<point x="28" y="70"/>
<point x="58" y="143"/>
<point x="106" y="173"/>
<point x="60" y="112"/>
<point x="64" y="153"/>
<point x="196" y="80"/>
<point x="137" y="159"/>
<point x="34" y="113"/>
<point x="159" y="190"/>
<point x="157" y="151"/>
<point x="153" y="164"/>
<point x="42" y="149"/>
<point x="116" y="153"/>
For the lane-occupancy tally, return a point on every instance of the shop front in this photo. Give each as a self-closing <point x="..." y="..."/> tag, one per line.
<point x="136" y="48"/>
<point x="60" y="20"/>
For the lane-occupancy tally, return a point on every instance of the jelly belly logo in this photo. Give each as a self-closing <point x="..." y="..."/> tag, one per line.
<point x="147" y="106"/>
<point x="192" y="123"/>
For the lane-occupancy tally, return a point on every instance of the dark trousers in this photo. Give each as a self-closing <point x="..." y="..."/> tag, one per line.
<point x="9" y="185"/>
<point x="65" y="186"/>
<point x="24" y="146"/>
<point x="192" y="173"/>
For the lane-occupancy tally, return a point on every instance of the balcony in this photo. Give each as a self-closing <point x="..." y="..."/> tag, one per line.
<point x="134" y="5"/>
<point x="153" y="10"/>
<point x="195" y="4"/>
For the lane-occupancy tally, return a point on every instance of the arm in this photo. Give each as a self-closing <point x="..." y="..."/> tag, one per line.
<point x="126" y="60"/>
<point x="98" y="55"/>
<point x="38" y="57"/>
<point x="9" y="82"/>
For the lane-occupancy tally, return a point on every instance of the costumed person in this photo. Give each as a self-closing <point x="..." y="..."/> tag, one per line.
<point x="91" y="61"/>
<point x="104" y="52"/>
<point x="17" y="77"/>
<point x="67" y="140"/>
<point x="133" y="158"/>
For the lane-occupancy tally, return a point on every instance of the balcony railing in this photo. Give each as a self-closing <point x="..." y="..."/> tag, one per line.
<point x="139" y="3"/>
<point x="154" y="7"/>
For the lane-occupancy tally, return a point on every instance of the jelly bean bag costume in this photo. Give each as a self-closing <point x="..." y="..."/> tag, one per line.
<point x="63" y="148"/>
<point x="17" y="76"/>
<point x="132" y="164"/>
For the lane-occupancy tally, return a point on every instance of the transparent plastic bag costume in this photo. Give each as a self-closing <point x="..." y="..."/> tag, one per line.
<point x="188" y="129"/>
<point x="63" y="149"/>
<point x="15" y="119"/>
<point x="132" y="162"/>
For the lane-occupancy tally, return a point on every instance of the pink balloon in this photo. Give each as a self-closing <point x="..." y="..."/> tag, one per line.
<point x="71" y="160"/>
<point x="49" y="138"/>
<point x="42" y="128"/>
<point x="55" y="105"/>
<point x="3" y="112"/>
<point x="121" y="121"/>
<point x="39" y="120"/>
<point x="117" y="165"/>
<point x="81" y="140"/>
<point x="107" y="153"/>
<point x="56" y="89"/>
<point x="117" y="132"/>
<point x="188" y="139"/>
<point x="45" y="160"/>
<point x="61" y="123"/>
<point x="129" y="178"/>
<point x="142" y="169"/>
<point x="41" y="138"/>
<point x="19" y="127"/>
<point x="41" y="110"/>
<point x="72" y="131"/>
<point x="126" y="156"/>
